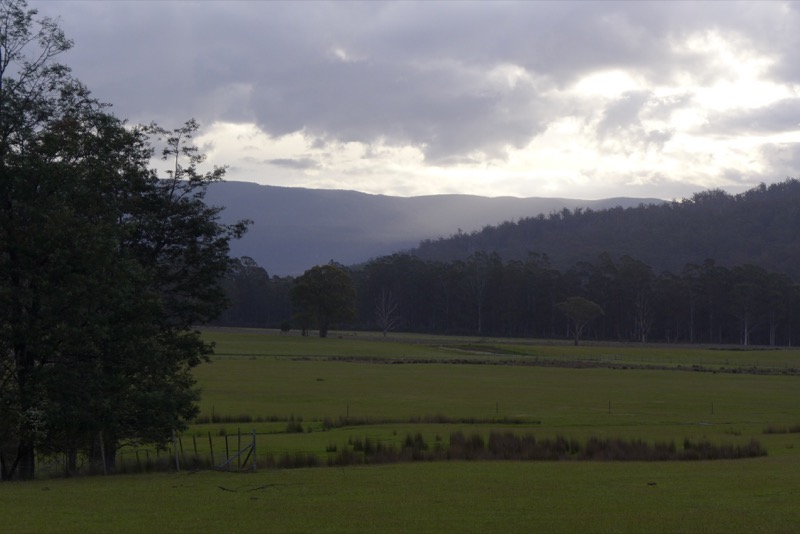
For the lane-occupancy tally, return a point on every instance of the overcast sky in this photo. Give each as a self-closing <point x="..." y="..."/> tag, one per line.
<point x="564" y="99"/>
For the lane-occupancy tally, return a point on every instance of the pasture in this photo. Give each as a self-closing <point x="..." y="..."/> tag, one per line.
<point x="317" y="397"/>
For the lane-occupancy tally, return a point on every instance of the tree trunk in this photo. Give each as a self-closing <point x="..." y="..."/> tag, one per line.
<point x="111" y="456"/>
<point x="103" y="454"/>
<point x="746" y="333"/>
<point x="773" y="331"/>
<point x="26" y="461"/>
<point x="72" y="462"/>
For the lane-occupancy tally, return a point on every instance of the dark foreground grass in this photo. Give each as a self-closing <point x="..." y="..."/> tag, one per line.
<point x="757" y="495"/>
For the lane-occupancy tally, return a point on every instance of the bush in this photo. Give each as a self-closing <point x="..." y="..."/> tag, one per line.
<point x="295" y="425"/>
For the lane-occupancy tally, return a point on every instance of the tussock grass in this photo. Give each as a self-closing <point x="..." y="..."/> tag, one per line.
<point x="782" y="429"/>
<point x="527" y="447"/>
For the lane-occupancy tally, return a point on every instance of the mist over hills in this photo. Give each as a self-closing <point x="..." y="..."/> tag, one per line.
<point x="295" y="228"/>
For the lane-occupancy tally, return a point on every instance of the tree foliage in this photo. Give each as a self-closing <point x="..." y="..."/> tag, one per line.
<point x="323" y="295"/>
<point x="104" y="266"/>
<point x="580" y="312"/>
<point x="702" y="303"/>
<point x="248" y="288"/>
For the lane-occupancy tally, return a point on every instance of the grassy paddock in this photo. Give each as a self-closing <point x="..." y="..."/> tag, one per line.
<point x="389" y="388"/>
<point x="727" y="496"/>
<point x="233" y="343"/>
<point x="283" y="375"/>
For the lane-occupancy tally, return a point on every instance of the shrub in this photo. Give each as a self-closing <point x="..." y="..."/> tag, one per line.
<point x="776" y="429"/>
<point x="295" y="425"/>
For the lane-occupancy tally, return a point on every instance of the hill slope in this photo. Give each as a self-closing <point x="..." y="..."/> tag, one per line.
<point x="294" y="229"/>
<point x="760" y="226"/>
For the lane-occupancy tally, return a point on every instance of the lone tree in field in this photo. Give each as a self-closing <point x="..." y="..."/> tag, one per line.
<point x="386" y="311"/>
<point x="105" y="267"/>
<point x="580" y="312"/>
<point x="324" y="295"/>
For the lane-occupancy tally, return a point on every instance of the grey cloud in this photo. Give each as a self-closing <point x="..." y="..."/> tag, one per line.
<point x="785" y="158"/>
<point x="415" y="72"/>
<point x="621" y="123"/>
<point x="782" y="116"/>
<point x="444" y="110"/>
<point x="662" y="107"/>
<point x="623" y="113"/>
<point x="296" y="164"/>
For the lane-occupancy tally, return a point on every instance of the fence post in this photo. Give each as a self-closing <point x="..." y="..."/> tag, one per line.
<point x="211" y="448"/>
<point x="254" y="450"/>
<point x="175" y="448"/>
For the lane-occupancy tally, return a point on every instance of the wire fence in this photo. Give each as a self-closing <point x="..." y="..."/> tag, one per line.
<point x="235" y="452"/>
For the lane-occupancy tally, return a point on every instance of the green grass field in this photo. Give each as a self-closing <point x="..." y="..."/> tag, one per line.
<point x="735" y="496"/>
<point x="390" y="385"/>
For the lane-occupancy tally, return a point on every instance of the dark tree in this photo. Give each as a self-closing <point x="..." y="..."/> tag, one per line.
<point x="104" y="267"/>
<point x="580" y="312"/>
<point x="247" y="286"/>
<point x="324" y="295"/>
<point x="479" y="270"/>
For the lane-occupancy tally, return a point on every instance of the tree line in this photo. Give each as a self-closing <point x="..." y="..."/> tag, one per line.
<point x="485" y="295"/>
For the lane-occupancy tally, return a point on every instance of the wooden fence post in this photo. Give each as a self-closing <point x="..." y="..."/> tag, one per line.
<point x="254" y="450"/>
<point x="175" y="448"/>
<point x="211" y="448"/>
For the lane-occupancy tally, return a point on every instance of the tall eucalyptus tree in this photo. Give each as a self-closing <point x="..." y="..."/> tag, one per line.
<point x="105" y="267"/>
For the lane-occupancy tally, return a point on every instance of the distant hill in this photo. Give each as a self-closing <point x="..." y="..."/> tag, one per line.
<point x="760" y="227"/>
<point x="295" y="229"/>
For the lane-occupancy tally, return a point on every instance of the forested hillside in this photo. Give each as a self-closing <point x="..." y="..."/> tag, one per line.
<point x="760" y="226"/>
<point x="715" y="268"/>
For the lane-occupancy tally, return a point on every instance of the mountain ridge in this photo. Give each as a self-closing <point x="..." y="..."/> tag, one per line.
<point x="296" y="228"/>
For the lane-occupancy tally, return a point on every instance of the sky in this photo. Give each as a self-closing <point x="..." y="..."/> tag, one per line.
<point x="584" y="99"/>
